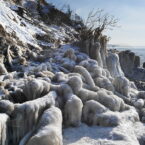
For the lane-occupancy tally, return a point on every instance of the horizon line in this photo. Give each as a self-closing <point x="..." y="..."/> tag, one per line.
<point x="125" y="45"/>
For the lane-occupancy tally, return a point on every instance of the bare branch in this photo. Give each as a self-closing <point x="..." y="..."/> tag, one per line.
<point x="98" y="21"/>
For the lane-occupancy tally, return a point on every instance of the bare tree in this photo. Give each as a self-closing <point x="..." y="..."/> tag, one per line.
<point x="98" y="21"/>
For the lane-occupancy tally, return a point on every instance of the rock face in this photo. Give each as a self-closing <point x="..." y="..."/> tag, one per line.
<point x="130" y="64"/>
<point x="128" y="61"/>
<point x="143" y="65"/>
<point x="46" y="88"/>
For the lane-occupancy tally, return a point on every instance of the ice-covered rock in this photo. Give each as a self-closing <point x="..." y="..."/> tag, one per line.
<point x="86" y="83"/>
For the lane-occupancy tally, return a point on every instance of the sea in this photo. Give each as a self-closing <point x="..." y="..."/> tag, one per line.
<point x="139" y="51"/>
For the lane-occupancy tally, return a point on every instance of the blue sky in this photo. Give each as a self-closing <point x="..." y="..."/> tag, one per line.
<point x="131" y="15"/>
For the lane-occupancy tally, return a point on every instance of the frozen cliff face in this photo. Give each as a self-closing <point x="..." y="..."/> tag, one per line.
<point x="129" y="61"/>
<point x="130" y="64"/>
<point x="95" y="47"/>
<point x="48" y="86"/>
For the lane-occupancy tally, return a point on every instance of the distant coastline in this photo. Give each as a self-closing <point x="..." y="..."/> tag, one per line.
<point x="138" y="50"/>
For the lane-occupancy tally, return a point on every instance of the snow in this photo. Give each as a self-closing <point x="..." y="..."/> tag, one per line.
<point x="11" y="22"/>
<point x="23" y="30"/>
<point x="14" y="7"/>
<point x="61" y="33"/>
<point x="124" y="134"/>
<point x="85" y="135"/>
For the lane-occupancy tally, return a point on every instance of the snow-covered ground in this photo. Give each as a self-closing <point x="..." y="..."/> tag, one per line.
<point x="23" y="30"/>
<point x="95" y="135"/>
<point x="17" y="28"/>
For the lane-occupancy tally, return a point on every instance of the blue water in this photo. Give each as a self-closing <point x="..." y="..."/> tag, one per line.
<point x="138" y="51"/>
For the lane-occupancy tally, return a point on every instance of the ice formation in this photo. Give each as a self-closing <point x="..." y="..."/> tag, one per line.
<point x="46" y="94"/>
